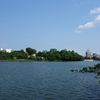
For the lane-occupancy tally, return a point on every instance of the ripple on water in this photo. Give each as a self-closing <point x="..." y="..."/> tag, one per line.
<point x="46" y="81"/>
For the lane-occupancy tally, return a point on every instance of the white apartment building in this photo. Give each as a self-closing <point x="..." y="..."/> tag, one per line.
<point x="89" y="54"/>
<point x="7" y="50"/>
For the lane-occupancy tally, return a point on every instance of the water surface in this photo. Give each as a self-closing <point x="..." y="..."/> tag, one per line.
<point x="47" y="81"/>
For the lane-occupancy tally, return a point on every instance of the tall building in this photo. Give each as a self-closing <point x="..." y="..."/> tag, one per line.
<point x="45" y="51"/>
<point x="94" y="55"/>
<point x="53" y="49"/>
<point x="89" y="54"/>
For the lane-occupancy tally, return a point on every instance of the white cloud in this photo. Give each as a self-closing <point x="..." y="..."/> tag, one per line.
<point x="94" y="22"/>
<point x="87" y="25"/>
<point x="78" y="4"/>
<point x="97" y="19"/>
<point x="97" y="10"/>
<point x="78" y="31"/>
<point x="91" y="24"/>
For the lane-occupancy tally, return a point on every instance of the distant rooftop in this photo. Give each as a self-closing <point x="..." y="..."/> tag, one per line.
<point x="53" y="49"/>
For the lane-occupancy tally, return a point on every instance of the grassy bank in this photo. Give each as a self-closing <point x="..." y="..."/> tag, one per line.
<point x="16" y="60"/>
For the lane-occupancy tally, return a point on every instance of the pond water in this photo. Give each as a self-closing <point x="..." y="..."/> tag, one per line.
<point x="47" y="81"/>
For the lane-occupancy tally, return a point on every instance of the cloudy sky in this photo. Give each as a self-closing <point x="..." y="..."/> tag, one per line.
<point x="45" y="24"/>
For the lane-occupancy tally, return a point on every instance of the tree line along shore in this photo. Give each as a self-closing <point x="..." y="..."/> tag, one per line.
<point x="31" y="54"/>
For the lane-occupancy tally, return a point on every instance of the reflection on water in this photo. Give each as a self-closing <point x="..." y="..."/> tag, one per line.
<point x="47" y="81"/>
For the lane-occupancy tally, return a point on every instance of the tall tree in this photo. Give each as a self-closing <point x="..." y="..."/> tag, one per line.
<point x="30" y="51"/>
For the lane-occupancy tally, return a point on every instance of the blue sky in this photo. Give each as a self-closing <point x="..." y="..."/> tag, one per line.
<point x="45" y="24"/>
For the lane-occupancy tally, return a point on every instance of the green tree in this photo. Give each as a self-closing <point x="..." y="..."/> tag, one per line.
<point x="41" y="54"/>
<point x="30" y="51"/>
<point x="51" y="56"/>
<point x="18" y="55"/>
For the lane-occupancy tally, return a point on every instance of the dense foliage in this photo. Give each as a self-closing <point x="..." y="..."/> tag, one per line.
<point x="13" y="55"/>
<point x="30" y="51"/>
<point x="62" y="55"/>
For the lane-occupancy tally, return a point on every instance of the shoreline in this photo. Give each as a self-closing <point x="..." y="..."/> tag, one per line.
<point x="21" y="60"/>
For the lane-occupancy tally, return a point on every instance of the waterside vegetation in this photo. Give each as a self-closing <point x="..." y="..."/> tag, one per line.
<point x="32" y="55"/>
<point x="94" y="69"/>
